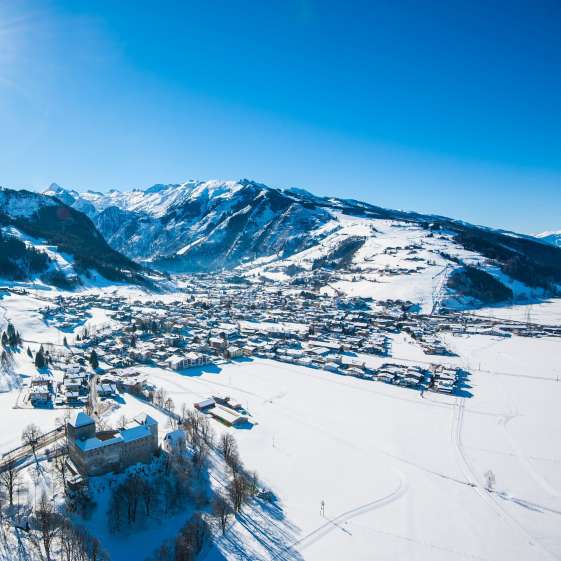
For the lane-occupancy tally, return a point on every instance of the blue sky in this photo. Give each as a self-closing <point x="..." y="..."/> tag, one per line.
<point x="447" y="107"/>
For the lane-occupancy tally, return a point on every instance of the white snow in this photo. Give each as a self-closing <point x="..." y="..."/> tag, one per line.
<point x="403" y="476"/>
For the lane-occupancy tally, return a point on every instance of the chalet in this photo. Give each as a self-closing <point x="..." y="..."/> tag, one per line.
<point x="106" y="389"/>
<point x="40" y="394"/>
<point x="217" y="343"/>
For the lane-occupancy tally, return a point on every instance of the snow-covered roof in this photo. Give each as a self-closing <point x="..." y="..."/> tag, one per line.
<point x="135" y="433"/>
<point x="175" y="436"/>
<point x="175" y="360"/>
<point x="80" y="419"/>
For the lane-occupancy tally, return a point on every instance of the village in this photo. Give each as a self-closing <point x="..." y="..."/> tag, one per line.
<point x="128" y="376"/>
<point x="216" y="320"/>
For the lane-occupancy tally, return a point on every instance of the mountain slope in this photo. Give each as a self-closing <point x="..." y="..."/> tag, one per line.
<point x="213" y="225"/>
<point x="57" y="239"/>
<point x="199" y="226"/>
<point x="551" y="238"/>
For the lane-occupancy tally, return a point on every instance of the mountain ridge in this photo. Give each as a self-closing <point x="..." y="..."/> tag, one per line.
<point x="205" y="226"/>
<point x="61" y="241"/>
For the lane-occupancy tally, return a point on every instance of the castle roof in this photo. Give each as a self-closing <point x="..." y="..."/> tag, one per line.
<point x="80" y="419"/>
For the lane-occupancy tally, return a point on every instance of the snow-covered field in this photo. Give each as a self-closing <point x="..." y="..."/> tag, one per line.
<point x="402" y="476"/>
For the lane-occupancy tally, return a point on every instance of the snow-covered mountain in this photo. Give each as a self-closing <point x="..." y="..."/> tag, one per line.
<point x="197" y="226"/>
<point x="552" y="238"/>
<point x="213" y="225"/>
<point x="42" y="238"/>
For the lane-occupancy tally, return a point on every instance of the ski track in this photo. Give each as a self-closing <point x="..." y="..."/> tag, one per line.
<point x="324" y="529"/>
<point x="470" y="474"/>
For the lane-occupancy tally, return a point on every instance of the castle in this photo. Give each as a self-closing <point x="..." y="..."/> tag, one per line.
<point x="97" y="453"/>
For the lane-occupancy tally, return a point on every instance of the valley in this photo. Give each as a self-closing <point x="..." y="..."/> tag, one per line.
<point x="395" y="449"/>
<point x="258" y="374"/>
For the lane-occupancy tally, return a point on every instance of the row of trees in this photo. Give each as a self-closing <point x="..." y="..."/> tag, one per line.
<point x="142" y="496"/>
<point x="10" y="474"/>
<point x="58" y="538"/>
<point x="11" y="337"/>
<point x="50" y="532"/>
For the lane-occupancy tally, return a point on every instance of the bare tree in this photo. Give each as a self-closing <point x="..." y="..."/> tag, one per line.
<point x="62" y="421"/>
<point x="191" y="539"/>
<point x="60" y="471"/>
<point x="169" y="404"/>
<point x="122" y="422"/>
<point x="160" y="397"/>
<point x="183" y="414"/>
<point x="252" y="483"/>
<point x="131" y="493"/>
<point x="222" y="509"/>
<point x="76" y="544"/>
<point x="30" y="436"/>
<point x="200" y="454"/>
<point x="9" y="480"/>
<point x="48" y="524"/>
<point x="228" y="446"/>
<point x="149" y="495"/>
<point x="235" y="463"/>
<point x="238" y="491"/>
<point x="193" y="423"/>
<point x="206" y="431"/>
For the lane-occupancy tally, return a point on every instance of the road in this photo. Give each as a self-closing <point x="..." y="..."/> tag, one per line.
<point x="20" y="454"/>
<point x="93" y="399"/>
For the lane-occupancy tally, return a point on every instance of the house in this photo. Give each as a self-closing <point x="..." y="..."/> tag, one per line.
<point x="106" y="389"/>
<point x="40" y="394"/>
<point x="332" y="367"/>
<point x="174" y="441"/>
<point x="234" y="352"/>
<point x="72" y="398"/>
<point x="217" y="342"/>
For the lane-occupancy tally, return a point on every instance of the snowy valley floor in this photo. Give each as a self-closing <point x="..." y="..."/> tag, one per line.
<point x="402" y="476"/>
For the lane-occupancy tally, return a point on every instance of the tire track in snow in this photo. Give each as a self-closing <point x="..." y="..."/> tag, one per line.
<point x="333" y="523"/>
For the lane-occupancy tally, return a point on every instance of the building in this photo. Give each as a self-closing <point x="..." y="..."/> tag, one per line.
<point x="188" y="360"/>
<point x="205" y="404"/>
<point x="97" y="453"/>
<point x="175" y="442"/>
<point x="234" y="352"/>
<point x="227" y="416"/>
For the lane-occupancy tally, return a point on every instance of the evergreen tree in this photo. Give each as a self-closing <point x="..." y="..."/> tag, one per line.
<point x="93" y="359"/>
<point x="5" y="342"/>
<point x="40" y="361"/>
<point x="12" y="336"/>
<point x="65" y="341"/>
<point x="29" y="353"/>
